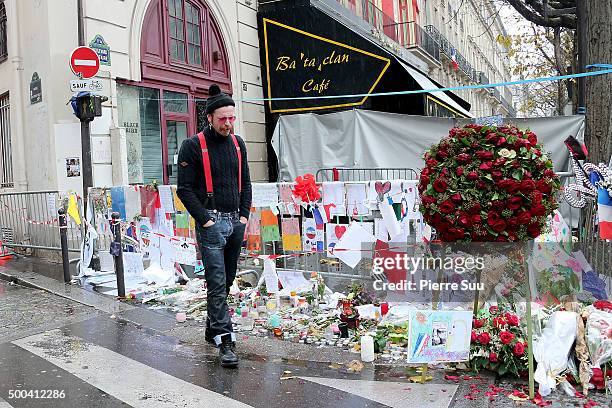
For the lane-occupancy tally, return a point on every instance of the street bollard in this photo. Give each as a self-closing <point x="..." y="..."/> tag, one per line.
<point x="63" y="225"/>
<point x="117" y="252"/>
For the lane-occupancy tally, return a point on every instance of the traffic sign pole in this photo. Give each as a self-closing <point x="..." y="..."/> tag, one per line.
<point x="85" y="64"/>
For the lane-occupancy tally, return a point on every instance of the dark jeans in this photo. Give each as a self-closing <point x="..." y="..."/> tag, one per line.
<point x="220" y="247"/>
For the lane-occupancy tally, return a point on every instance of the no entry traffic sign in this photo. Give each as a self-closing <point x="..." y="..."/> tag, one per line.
<point x="84" y="62"/>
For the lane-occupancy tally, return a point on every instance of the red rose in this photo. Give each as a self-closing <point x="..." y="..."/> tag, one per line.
<point x="465" y="220"/>
<point x="501" y="141"/>
<point x="524" y="217"/>
<point x="527" y="186"/>
<point x="543" y="186"/>
<point x="476" y="219"/>
<point x="493" y="216"/>
<point x="499" y="161"/>
<point x="506" y="337"/>
<point x="427" y="200"/>
<point x="534" y="230"/>
<point x="486" y="166"/>
<point x="515" y="203"/>
<point x="464" y="158"/>
<point x="484" y="155"/>
<point x="493" y="357"/>
<point x="476" y="207"/>
<point x="481" y="185"/>
<point x="484" y="338"/>
<point x="491" y="137"/>
<point x="478" y="323"/>
<point x="499" y="322"/>
<point x="459" y="171"/>
<point x="519" y="349"/>
<point x="536" y="198"/>
<point x="424" y="179"/>
<point x="505" y="183"/>
<point x="532" y="138"/>
<point x="512" y="319"/>
<point x="512" y="236"/>
<point x="496" y="174"/>
<point x="431" y="162"/>
<point x="456" y="197"/>
<point x="549" y="173"/>
<point x="537" y="152"/>
<point x="447" y="207"/>
<point x="498" y="205"/>
<point x="442" y="154"/>
<point x="513" y="222"/>
<point x="456" y="233"/>
<point x="538" y="210"/>
<point x="498" y="225"/>
<point x="514" y="187"/>
<point x="440" y="185"/>
<point x="474" y="336"/>
<point x="472" y="175"/>
<point x="493" y="309"/>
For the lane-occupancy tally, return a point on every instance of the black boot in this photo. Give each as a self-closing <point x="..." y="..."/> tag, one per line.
<point x="226" y="352"/>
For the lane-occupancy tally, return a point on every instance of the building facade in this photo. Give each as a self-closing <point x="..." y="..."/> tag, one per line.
<point x="158" y="58"/>
<point x="456" y="39"/>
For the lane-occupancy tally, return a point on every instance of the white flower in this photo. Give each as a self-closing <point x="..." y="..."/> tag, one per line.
<point x="508" y="154"/>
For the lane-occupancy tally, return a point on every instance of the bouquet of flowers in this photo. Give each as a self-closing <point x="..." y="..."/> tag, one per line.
<point x="498" y="342"/>
<point x="488" y="183"/>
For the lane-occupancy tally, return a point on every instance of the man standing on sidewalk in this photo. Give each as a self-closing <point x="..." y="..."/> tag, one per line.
<point x="215" y="187"/>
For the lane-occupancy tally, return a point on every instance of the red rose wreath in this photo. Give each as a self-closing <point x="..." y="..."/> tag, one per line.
<point x="487" y="183"/>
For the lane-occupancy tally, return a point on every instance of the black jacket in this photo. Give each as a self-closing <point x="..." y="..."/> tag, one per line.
<point x="191" y="184"/>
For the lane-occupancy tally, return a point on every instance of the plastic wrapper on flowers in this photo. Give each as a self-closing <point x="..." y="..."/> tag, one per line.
<point x="552" y="349"/>
<point x="599" y="337"/>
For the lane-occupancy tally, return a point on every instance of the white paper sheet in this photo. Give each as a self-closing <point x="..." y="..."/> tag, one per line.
<point x="132" y="265"/>
<point x="293" y="281"/>
<point x="388" y="215"/>
<point x="350" y="248"/>
<point x="312" y="237"/>
<point x="333" y="234"/>
<point x="166" y="199"/>
<point x="380" y="230"/>
<point x="51" y="205"/>
<point x="288" y="206"/>
<point x="270" y="276"/>
<point x="333" y="193"/>
<point x="264" y="195"/>
<point x="107" y="261"/>
<point x="411" y="194"/>
<point x="132" y="202"/>
<point x="356" y="198"/>
<point x="184" y="252"/>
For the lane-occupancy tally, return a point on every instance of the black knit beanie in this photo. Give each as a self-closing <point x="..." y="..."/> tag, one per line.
<point x="217" y="99"/>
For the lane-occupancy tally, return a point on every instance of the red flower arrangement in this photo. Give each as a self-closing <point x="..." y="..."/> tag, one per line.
<point x="306" y="189"/>
<point x="498" y="343"/>
<point x="487" y="183"/>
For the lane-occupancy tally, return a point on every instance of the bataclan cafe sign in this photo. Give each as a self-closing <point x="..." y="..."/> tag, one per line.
<point x="302" y="64"/>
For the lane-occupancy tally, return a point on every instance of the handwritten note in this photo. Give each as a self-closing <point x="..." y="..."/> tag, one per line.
<point x="265" y="195"/>
<point x="166" y="199"/>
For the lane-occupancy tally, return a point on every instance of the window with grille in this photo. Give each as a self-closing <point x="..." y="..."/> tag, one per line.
<point x="185" y="32"/>
<point x="6" y="156"/>
<point x="3" y="46"/>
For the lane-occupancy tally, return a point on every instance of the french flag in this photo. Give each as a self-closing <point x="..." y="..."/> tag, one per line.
<point x="604" y="213"/>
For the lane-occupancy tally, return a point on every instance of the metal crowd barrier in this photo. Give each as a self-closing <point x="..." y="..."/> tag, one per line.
<point x="28" y="220"/>
<point x="365" y="174"/>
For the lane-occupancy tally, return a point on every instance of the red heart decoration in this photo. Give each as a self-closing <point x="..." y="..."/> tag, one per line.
<point x="339" y="231"/>
<point x="382" y="188"/>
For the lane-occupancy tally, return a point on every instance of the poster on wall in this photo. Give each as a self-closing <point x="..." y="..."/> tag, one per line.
<point x="73" y="167"/>
<point x="439" y="336"/>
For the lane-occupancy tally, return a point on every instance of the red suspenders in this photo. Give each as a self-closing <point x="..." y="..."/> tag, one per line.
<point x="206" y="163"/>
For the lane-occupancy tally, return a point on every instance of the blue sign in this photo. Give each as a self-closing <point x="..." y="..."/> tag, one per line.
<point x="102" y="49"/>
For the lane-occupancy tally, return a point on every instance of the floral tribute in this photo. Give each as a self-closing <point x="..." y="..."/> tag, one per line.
<point x="488" y="183"/>
<point x="306" y="189"/>
<point x="498" y="343"/>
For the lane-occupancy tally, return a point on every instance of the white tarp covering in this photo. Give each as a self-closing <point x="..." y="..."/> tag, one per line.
<point x="305" y="143"/>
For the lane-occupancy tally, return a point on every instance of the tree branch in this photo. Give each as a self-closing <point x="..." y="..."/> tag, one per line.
<point x="532" y="14"/>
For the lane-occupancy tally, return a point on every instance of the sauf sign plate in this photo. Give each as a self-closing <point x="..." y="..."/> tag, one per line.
<point x="86" y="85"/>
